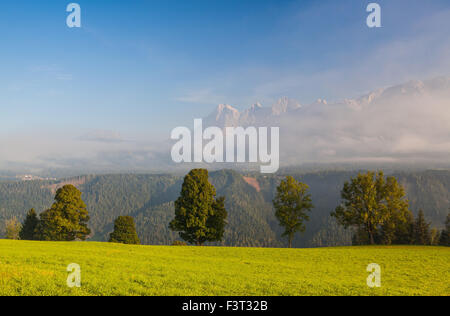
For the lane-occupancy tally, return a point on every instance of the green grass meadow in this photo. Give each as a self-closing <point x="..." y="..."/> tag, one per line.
<point x="39" y="268"/>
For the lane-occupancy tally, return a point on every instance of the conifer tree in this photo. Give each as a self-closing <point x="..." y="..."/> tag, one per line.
<point x="199" y="216"/>
<point x="124" y="231"/>
<point x="12" y="229"/>
<point x="217" y="221"/>
<point x="67" y="219"/>
<point x="29" y="226"/>
<point x="445" y="234"/>
<point x="422" y="234"/>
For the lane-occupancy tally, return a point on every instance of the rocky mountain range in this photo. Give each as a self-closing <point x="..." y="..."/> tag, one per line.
<point x="409" y="122"/>
<point x="226" y="115"/>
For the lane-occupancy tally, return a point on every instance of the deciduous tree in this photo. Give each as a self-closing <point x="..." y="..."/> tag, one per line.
<point x="371" y="201"/>
<point x="12" y="229"/>
<point x="435" y="236"/>
<point x="292" y="204"/>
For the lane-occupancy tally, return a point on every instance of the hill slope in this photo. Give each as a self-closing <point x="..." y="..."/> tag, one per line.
<point x="149" y="199"/>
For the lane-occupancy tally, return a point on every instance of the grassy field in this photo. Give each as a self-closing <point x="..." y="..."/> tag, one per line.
<point x="39" y="268"/>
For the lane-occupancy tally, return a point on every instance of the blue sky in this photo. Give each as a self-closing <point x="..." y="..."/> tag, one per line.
<point x="141" y="67"/>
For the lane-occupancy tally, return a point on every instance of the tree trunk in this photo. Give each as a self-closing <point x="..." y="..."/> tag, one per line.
<point x="290" y="241"/>
<point x="372" y="240"/>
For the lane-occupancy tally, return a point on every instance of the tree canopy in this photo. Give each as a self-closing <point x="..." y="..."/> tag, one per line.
<point x="67" y="219"/>
<point x="251" y="218"/>
<point x="12" y="228"/>
<point x="29" y="226"/>
<point x="445" y="235"/>
<point x="422" y="234"/>
<point x="292" y="202"/>
<point x="371" y="203"/>
<point x="199" y="216"/>
<point x="124" y="231"/>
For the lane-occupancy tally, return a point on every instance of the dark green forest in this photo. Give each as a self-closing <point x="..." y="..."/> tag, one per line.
<point x="149" y="199"/>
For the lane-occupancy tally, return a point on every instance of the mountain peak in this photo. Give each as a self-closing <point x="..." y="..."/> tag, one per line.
<point x="256" y="106"/>
<point x="257" y="115"/>
<point x="284" y="105"/>
<point x="225" y="115"/>
<point x="321" y="101"/>
<point x="225" y="107"/>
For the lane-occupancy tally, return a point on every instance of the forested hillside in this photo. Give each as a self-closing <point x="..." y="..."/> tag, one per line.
<point x="149" y="199"/>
